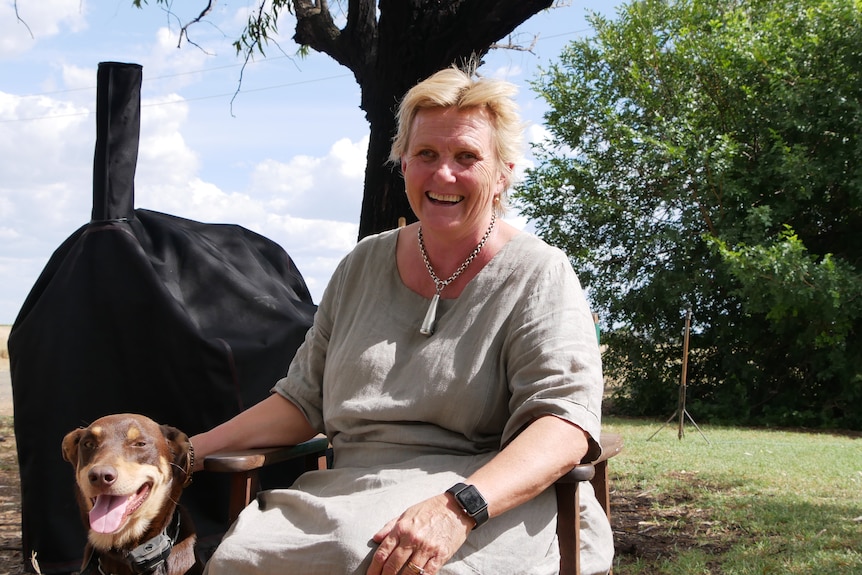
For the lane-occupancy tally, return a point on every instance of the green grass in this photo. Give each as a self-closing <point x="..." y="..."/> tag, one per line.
<point x="751" y="501"/>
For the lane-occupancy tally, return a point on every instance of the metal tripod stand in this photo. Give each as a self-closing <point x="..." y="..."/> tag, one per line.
<point x="681" y="410"/>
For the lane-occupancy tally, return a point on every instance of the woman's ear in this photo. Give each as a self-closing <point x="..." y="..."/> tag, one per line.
<point x="506" y="175"/>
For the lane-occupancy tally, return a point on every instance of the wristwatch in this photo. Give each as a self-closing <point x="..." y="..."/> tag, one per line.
<point x="471" y="501"/>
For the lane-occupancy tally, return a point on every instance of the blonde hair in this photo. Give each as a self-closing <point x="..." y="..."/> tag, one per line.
<point x="453" y="87"/>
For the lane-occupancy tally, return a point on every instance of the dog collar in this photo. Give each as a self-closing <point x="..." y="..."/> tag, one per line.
<point x="146" y="557"/>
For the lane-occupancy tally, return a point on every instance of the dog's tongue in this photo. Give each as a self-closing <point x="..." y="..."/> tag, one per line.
<point x="107" y="514"/>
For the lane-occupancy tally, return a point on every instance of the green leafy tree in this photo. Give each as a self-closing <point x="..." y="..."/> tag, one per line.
<point x="389" y="45"/>
<point x="706" y="154"/>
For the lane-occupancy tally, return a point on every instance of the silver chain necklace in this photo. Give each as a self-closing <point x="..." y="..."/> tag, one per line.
<point x="430" y="320"/>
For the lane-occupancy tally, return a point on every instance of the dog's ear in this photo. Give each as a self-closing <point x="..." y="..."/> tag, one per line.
<point x="180" y="449"/>
<point x="70" y="445"/>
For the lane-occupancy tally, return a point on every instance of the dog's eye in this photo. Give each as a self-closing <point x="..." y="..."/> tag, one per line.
<point x="88" y="444"/>
<point x="139" y="444"/>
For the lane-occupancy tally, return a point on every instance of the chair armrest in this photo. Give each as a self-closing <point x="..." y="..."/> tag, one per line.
<point x="612" y="444"/>
<point x="251" y="459"/>
<point x="578" y="473"/>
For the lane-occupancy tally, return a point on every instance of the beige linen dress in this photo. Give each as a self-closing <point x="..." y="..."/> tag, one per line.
<point x="409" y="415"/>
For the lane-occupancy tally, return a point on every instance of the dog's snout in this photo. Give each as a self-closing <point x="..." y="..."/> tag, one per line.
<point x="102" y="475"/>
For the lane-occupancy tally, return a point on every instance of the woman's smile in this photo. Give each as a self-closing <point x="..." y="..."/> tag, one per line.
<point x="443" y="198"/>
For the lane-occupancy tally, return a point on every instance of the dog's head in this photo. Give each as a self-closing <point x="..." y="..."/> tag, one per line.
<point x="130" y="472"/>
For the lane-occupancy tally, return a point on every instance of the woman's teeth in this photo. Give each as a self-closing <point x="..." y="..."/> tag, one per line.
<point x="444" y="198"/>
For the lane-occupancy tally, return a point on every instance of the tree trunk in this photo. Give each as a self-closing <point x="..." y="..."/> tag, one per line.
<point x="388" y="202"/>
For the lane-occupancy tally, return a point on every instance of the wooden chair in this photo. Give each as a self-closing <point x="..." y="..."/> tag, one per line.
<point x="244" y="465"/>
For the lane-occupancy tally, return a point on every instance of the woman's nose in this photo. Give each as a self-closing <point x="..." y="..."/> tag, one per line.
<point x="444" y="171"/>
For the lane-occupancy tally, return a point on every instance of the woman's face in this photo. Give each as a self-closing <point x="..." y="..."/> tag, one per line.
<point x="451" y="170"/>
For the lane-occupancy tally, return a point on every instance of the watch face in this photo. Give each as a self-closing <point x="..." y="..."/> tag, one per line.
<point x="471" y="500"/>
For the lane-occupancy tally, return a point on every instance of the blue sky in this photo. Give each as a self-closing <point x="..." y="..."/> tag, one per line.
<point x="285" y="159"/>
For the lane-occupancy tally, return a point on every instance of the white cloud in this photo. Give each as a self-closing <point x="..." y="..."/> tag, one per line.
<point x="327" y="188"/>
<point x="538" y="134"/>
<point x="42" y="18"/>
<point x="288" y="179"/>
<point x="509" y="72"/>
<point x="47" y="171"/>
<point x="9" y="234"/>
<point x="171" y="63"/>
<point x="351" y="157"/>
<point x="163" y="155"/>
<point x="79" y="78"/>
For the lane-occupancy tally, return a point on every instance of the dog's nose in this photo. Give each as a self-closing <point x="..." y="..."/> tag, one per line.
<point x="102" y="475"/>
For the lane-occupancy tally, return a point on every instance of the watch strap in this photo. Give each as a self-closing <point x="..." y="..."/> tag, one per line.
<point x="471" y="501"/>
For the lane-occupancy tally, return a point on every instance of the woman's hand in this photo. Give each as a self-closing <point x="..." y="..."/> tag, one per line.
<point x="426" y="536"/>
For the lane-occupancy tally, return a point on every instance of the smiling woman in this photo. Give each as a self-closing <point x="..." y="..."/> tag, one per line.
<point x="436" y="425"/>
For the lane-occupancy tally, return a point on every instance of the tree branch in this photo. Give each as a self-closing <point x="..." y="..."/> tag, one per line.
<point x="316" y="29"/>
<point x="184" y="31"/>
<point x="15" y="5"/>
<point x="494" y="19"/>
<point x="510" y="45"/>
<point x="184" y="28"/>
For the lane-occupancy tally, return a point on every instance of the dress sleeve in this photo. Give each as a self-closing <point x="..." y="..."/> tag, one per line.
<point x="551" y="355"/>
<point x="303" y="384"/>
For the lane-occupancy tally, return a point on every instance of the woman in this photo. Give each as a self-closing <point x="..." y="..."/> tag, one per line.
<point x="448" y="362"/>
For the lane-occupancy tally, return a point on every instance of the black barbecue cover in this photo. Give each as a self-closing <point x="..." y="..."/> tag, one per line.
<point x="139" y="311"/>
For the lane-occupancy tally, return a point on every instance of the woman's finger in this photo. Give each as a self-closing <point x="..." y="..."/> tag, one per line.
<point x="381" y="535"/>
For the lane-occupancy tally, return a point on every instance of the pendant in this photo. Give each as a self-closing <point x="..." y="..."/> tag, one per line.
<point x="430" y="317"/>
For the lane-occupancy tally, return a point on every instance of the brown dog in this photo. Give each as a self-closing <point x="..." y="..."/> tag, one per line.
<point x="130" y="472"/>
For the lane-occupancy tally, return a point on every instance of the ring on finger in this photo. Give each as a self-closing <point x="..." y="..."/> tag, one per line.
<point x="415" y="568"/>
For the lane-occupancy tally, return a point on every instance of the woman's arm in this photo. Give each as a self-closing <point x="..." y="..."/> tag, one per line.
<point x="273" y="422"/>
<point x="544" y="451"/>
